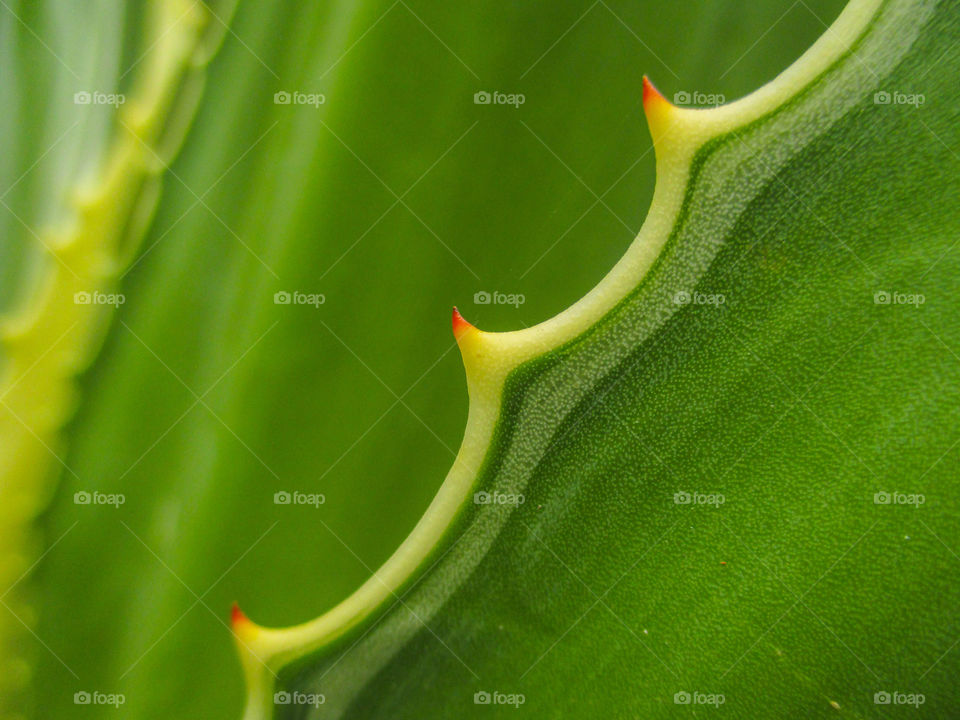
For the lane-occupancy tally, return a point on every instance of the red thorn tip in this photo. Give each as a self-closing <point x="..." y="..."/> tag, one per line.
<point x="236" y="615"/>
<point x="650" y="93"/>
<point x="460" y="326"/>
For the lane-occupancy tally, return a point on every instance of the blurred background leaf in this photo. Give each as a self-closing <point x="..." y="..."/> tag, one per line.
<point x="396" y="198"/>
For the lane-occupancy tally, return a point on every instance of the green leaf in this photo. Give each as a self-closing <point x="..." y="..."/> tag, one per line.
<point x="716" y="479"/>
<point x="135" y="600"/>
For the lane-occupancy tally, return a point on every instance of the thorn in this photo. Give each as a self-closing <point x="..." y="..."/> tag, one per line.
<point x="657" y="109"/>
<point x="651" y="95"/>
<point x="460" y="326"/>
<point x="237" y="617"/>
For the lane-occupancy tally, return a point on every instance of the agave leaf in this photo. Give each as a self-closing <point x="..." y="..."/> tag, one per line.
<point x="85" y="234"/>
<point x="703" y="483"/>
<point x="200" y="522"/>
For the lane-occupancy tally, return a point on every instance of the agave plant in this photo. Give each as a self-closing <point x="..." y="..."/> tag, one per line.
<point x="723" y="479"/>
